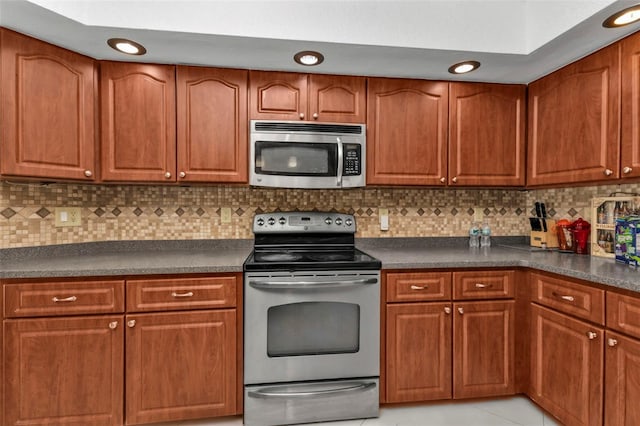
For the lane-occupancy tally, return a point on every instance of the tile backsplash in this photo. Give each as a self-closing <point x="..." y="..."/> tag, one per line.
<point x="129" y="212"/>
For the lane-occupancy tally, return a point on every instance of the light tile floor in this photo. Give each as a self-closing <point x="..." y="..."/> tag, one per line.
<point x="510" y="411"/>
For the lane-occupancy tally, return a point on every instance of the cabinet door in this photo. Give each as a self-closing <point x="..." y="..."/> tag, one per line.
<point x="338" y="99"/>
<point x="418" y="355"/>
<point x="486" y="134"/>
<point x="406" y="132"/>
<point x="212" y="125"/>
<point x="138" y="122"/>
<point x="622" y="385"/>
<point x="574" y="118"/>
<point x="278" y="96"/>
<point x="64" y="371"/>
<point x="566" y="367"/>
<point x="630" y="137"/>
<point x="483" y="347"/>
<point x="180" y="365"/>
<point x="47" y="107"/>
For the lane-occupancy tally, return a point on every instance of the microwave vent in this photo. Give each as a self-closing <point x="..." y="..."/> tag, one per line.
<point x="275" y="126"/>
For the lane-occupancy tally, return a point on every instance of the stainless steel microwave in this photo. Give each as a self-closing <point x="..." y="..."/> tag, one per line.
<point x="293" y="154"/>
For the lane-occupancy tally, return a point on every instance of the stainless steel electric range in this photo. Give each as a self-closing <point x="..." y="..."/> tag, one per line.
<point x="311" y="321"/>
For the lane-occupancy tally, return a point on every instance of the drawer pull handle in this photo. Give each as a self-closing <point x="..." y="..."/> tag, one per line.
<point x="592" y="335"/>
<point x="419" y="287"/>
<point x="612" y="342"/>
<point x="64" y="299"/>
<point x="563" y="297"/>
<point x="480" y="285"/>
<point x="113" y="325"/>
<point x="187" y="294"/>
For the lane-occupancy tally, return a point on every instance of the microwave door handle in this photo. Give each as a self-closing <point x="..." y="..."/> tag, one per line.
<point x="340" y="161"/>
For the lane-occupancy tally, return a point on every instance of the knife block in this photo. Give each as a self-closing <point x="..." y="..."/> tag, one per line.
<point x="548" y="237"/>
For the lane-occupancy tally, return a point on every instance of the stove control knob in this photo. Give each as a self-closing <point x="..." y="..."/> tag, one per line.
<point x="271" y="221"/>
<point x="338" y="221"/>
<point x="260" y="222"/>
<point x="348" y="222"/>
<point x="328" y="221"/>
<point x="282" y="221"/>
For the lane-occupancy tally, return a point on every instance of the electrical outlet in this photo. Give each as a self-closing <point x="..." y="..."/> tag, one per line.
<point x="478" y="214"/>
<point x="68" y="216"/>
<point x="225" y="215"/>
<point x="384" y="219"/>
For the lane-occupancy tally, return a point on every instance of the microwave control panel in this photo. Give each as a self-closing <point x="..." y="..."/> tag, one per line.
<point x="352" y="154"/>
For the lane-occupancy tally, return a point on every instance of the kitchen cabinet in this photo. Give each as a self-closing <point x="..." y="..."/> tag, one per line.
<point x="468" y="346"/>
<point x="573" y="122"/>
<point x="293" y="96"/>
<point x="486" y="123"/>
<point x="62" y="369"/>
<point x="630" y="109"/>
<point x="48" y="110"/>
<point x="407" y="132"/>
<point x="138" y="122"/>
<point x="212" y="125"/>
<point x="181" y="364"/>
<point x="622" y="380"/>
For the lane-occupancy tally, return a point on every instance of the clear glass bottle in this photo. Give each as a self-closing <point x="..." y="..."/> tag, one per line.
<point x="474" y="235"/>
<point x="485" y="237"/>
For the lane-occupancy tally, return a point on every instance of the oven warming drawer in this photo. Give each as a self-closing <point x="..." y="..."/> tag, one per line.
<point x="277" y="404"/>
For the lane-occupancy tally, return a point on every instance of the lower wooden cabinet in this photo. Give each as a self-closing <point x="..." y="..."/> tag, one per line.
<point x="180" y="365"/>
<point x="64" y="371"/>
<point x="566" y="367"/>
<point x="622" y="380"/>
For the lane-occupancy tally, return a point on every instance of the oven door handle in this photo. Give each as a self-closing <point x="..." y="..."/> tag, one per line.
<point x="275" y="393"/>
<point x="310" y="284"/>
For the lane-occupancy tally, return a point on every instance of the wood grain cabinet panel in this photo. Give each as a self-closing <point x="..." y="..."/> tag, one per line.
<point x="180" y="365"/>
<point x="622" y="381"/>
<point x="623" y="313"/>
<point x="277" y="95"/>
<point x="573" y="122"/>
<point x="566" y="367"/>
<point x="418" y="354"/>
<point x="138" y="122"/>
<point x="483" y="285"/>
<point x="418" y="286"/>
<point x="337" y="98"/>
<point x="64" y="371"/>
<point x="483" y="348"/>
<point x="630" y="121"/>
<point x="47" y="110"/>
<point x="487" y="134"/>
<point x="407" y="132"/>
<point x="212" y="124"/>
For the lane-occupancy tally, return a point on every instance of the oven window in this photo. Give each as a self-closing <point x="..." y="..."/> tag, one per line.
<point x="313" y="328"/>
<point x="296" y="159"/>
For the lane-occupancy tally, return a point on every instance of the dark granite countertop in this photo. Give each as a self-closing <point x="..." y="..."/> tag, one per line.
<point x="211" y="256"/>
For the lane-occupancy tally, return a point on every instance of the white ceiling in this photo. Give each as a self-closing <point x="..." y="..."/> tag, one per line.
<point x="515" y="40"/>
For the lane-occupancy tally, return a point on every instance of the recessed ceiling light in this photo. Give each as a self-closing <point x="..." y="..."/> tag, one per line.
<point x="624" y="17"/>
<point x="464" y="67"/>
<point x="129" y="47"/>
<point x="308" y="58"/>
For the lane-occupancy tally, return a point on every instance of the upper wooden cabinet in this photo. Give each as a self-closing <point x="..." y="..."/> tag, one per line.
<point x="574" y="118"/>
<point x="407" y="132"/>
<point x="48" y="107"/>
<point x="487" y="134"/>
<point x="212" y="125"/>
<point x="292" y="96"/>
<point x="630" y="136"/>
<point x="138" y="122"/>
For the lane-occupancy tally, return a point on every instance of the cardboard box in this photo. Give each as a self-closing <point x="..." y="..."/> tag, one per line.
<point x="627" y="241"/>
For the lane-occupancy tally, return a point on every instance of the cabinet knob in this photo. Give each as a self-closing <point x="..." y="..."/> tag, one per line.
<point x="627" y="170"/>
<point x="592" y="335"/>
<point x="131" y="323"/>
<point x="315" y="116"/>
<point x="612" y="342"/>
<point x="447" y="310"/>
<point x="608" y="172"/>
<point x="443" y="179"/>
<point x="88" y="173"/>
<point x="113" y="325"/>
<point x="167" y="175"/>
<point x="454" y="179"/>
<point x="301" y="116"/>
<point x="461" y="311"/>
<point x="182" y="174"/>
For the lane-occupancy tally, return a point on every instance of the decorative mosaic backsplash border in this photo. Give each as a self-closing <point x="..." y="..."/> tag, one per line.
<point x="168" y="213"/>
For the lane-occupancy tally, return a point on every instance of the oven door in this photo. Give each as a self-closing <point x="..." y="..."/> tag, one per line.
<point x="311" y="325"/>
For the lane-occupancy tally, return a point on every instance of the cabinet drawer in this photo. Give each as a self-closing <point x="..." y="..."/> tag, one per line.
<point x="181" y="293"/>
<point x="63" y="298"/>
<point x="623" y="313"/>
<point x="483" y="285"/>
<point x="569" y="297"/>
<point x="418" y="286"/>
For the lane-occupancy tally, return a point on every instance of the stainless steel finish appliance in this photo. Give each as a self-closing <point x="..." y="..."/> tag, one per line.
<point x="292" y="154"/>
<point x="312" y="321"/>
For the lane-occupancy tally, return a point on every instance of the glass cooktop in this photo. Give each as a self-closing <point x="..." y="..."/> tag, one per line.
<point x="327" y="258"/>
